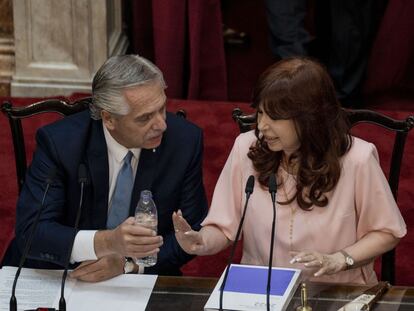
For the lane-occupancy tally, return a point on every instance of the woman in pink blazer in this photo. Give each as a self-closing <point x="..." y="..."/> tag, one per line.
<point x="335" y="211"/>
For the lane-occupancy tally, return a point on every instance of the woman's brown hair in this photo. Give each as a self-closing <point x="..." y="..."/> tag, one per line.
<point x="300" y="89"/>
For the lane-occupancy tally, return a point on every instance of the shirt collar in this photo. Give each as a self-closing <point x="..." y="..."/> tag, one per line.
<point x="115" y="149"/>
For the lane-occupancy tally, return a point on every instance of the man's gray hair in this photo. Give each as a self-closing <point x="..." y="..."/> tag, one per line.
<point x="115" y="75"/>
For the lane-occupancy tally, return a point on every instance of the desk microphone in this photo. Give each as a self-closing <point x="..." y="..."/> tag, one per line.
<point x="272" y="190"/>
<point x="248" y="191"/>
<point x="83" y="180"/>
<point x="49" y="180"/>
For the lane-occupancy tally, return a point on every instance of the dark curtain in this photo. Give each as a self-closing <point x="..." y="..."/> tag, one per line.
<point x="391" y="64"/>
<point x="184" y="39"/>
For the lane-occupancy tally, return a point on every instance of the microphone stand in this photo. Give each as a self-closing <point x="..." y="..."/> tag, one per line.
<point x="272" y="190"/>
<point x="249" y="191"/>
<point x="83" y="180"/>
<point x="49" y="181"/>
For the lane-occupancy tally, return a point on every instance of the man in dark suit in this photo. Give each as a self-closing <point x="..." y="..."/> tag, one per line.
<point x="345" y="31"/>
<point x="127" y="116"/>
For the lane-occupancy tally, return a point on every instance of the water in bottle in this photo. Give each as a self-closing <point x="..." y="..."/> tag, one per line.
<point x="146" y="215"/>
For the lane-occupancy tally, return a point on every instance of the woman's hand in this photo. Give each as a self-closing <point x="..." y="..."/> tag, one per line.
<point x="325" y="263"/>
<point x="190" y="241"/>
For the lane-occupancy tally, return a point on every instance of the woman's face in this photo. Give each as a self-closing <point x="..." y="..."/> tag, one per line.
<point x="280" y="135"/>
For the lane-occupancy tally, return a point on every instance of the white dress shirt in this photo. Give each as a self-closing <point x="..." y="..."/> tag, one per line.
<point x="83" y="247"/>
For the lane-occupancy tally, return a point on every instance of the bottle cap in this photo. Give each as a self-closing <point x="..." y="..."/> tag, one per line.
<point x="146" y="195"/>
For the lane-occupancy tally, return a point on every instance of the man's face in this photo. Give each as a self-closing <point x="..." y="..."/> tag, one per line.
<point x="144" y="125"/>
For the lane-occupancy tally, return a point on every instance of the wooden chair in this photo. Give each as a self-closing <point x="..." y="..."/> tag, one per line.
<point x="399" y="127"/>
<point x="16" y="114"/>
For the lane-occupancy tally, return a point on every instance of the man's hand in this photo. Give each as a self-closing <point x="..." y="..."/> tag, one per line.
<point x="99" y="270"/>
<point x="324" y="263"/>
<point x="128" y="240"/>
<point x="190" y="241"/>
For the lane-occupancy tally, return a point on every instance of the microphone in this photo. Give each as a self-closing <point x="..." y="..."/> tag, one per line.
<point x="49" y="180"/>
<point x="272" y="190"/>
<point x="248" y="190"/>
<point x="83" y="180"/>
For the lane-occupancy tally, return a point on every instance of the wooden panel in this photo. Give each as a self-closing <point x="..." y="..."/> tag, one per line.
<point x="6" y="46"/>
<point x="6" y="19"/>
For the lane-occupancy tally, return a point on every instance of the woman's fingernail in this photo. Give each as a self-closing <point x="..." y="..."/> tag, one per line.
<point x="306" y="264"/>
<point x="293" y="260"/>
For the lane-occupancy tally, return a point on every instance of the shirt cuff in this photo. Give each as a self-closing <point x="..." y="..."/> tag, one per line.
<point x="83" y="247"/>
<point x="141" y="269"/>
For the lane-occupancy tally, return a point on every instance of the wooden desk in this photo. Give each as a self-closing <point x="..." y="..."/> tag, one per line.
<point x="191" y="294"/>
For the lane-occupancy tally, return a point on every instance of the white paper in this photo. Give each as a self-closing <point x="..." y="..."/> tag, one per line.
<point x="41" y="288"/>
<point x="124" y="292"/>
<point x="35" y="288"/>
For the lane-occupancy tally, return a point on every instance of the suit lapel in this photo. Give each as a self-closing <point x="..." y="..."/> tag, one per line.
<point x="145" y="175"/>
<point x="97" y="159"/>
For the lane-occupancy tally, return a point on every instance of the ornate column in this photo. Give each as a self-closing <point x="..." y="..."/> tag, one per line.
<point x="6" y="46"/>
<point x="61" y="43"/>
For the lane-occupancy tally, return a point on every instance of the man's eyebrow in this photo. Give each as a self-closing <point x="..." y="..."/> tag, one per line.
<point x="145" y="114"/>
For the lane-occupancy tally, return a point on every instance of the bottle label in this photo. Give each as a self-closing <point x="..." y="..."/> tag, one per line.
<point x="146" y="220"/>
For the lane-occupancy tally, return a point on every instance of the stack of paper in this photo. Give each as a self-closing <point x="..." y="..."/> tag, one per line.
<point x="41" y="288"/>
<point x="246" y="288"/>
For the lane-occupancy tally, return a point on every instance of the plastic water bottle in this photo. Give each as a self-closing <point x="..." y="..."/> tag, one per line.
<point x="146" y="215"/>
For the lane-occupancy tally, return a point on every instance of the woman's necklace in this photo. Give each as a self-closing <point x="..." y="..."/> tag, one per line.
<point x="292" y="214"/>
<point x="291" y="170"/>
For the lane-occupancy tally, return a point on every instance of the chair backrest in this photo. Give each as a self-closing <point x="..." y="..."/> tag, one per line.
<point x="16" y="114"/>
<point x="399" y="127"/>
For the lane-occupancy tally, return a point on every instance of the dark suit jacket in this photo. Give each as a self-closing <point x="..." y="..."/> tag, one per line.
<point x="173" y="173"/>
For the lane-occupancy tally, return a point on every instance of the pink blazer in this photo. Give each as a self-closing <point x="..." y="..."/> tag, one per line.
<point x="361" y="202"/>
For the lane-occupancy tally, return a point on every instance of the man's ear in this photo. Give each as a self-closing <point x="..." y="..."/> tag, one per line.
<point x="107" y="119"/>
